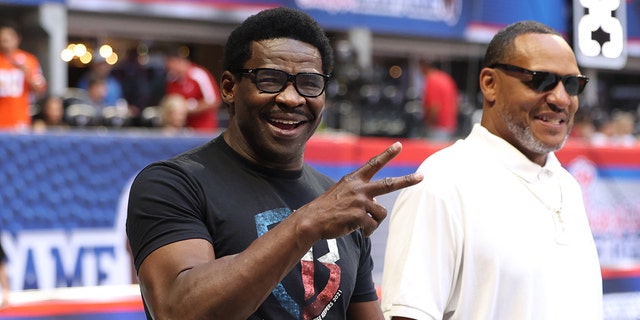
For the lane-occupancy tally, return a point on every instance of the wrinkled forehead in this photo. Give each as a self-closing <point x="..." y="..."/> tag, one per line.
<point x="286" y="51"/>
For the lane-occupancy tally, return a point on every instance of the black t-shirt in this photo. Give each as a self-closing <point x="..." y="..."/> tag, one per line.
<point x="213" y="193"/>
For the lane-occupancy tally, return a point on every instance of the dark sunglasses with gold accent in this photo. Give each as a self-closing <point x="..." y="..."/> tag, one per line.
<point x="307" y="84"/>
<point x="542" y="81"/>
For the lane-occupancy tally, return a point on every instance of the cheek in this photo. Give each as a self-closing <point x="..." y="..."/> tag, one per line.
<point x="573" y="108"/>
<point x="317" y="106"/>
<point x="522" y="102"/>
<point x="248" y="106"/>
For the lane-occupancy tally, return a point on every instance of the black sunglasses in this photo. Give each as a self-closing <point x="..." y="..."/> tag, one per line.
<point x="542" y="81"/>
<point x="307" y="84"/>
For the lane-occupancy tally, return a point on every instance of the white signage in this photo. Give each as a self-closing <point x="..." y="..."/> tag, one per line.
<point x="600" y="33"/>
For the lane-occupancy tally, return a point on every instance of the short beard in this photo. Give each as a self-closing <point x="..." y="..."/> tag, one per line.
<point x="525" y="137"/>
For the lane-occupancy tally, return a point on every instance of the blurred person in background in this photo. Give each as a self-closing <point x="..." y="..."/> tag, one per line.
<point x="604" y="131"/>
<point x="136" y="84"/>
<point x="439" y="101"/>
<point x="106" y="94"/>
<point x="623" y="123"/>
<point x="99" y="68"/>
<point x="97" y="89"/>
<point x="4" y="279"/>
<point x="584" y="127"/>
<point x="498" y="229"/>
<point x="174" y="112"/>
<point x="51" y="115"/>
<point x="197" y="85"/>
<point x="21" y="80"/>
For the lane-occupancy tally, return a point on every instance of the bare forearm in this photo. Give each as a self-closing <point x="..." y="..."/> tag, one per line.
<point x="233" y="287"/>
<point x="185" y="280"/>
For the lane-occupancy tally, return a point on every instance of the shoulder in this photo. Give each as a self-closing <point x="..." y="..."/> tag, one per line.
<point x="458" y="166"/>
<point x="188" y="163"/>
<point x="449" y="158"/>
<point x="27" y="57"/>
<point x="569" y="179"/>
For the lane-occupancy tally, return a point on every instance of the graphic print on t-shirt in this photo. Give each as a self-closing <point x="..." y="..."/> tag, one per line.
<point x="11" y="83"/>
<point x="316" y="305"/>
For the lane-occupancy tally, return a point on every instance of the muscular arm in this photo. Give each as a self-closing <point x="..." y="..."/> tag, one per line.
<point x="185" y="280"/>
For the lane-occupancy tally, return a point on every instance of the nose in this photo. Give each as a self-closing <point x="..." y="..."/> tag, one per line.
<point x="559" y="98"/>
<point x="290" y="97"/>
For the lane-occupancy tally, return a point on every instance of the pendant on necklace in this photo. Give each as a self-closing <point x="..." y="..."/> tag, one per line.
<point x="561" y="236"/>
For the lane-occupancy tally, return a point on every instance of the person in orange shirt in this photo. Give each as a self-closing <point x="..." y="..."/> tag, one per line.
<point x="20" y="76"/>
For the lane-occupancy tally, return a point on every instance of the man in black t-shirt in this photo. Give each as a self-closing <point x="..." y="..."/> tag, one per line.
<point x="241" y="227"/>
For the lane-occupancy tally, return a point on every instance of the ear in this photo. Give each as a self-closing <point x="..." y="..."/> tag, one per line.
<point x="227" y="90"/>
<point x="488" y="84"/>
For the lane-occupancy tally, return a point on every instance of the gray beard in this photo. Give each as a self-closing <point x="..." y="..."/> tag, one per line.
<point x="528" y="140"/>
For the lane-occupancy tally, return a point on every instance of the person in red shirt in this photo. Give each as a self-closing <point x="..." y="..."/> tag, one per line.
<point x="20" y="77"/>
<point x="440" y="103"/>
<point x="197" y="86"/>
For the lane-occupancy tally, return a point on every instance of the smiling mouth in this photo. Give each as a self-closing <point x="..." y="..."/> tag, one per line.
<point x="285" y="124"/>
<point x="551" y="120"/>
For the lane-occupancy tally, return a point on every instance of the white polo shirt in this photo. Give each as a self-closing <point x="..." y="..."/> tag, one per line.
<point x="479" y="238"/>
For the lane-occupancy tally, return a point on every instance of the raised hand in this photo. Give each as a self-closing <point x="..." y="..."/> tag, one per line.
<point x="350" y="203"/>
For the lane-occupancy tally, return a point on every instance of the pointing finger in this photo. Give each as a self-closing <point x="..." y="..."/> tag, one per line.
<point x="369" y="169"/>
<point x="391" y="184"/>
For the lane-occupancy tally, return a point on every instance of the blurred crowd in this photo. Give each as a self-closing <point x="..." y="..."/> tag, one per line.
<point x="182" y="97"/>
<point x="617" y="128"/>
<point x="99" y="99"/>
<point x="179" y="96"/>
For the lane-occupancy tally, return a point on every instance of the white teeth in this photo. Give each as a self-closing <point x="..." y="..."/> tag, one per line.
<point x="285" y="121"/>
<point x="553" y="121"/>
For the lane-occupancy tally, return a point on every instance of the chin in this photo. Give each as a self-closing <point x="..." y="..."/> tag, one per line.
<point x="539" y="144"/>
<point x="550" y="146"/>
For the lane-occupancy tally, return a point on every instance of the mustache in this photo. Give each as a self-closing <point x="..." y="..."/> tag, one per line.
<point x="289" y="111"/>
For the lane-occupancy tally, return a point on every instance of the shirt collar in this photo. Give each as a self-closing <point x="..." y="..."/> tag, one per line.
<point x="512" y="158"/>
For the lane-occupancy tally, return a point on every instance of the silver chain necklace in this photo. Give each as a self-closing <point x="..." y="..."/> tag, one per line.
<point x="557" y="211"/>
<point x="561" y="236"/>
